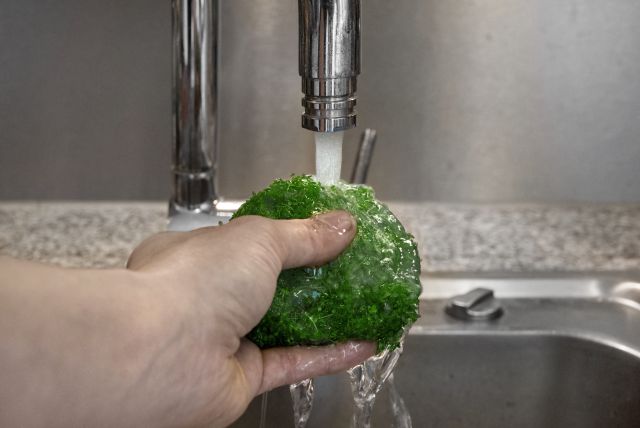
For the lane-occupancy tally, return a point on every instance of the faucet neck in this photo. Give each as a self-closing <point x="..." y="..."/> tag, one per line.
<point x="195" y="92"/>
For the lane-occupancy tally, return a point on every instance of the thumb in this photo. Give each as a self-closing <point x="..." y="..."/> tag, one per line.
<point x="309" y="242"/>
<point x="314" y="241"/>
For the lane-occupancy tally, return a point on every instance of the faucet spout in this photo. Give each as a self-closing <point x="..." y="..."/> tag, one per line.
<point x="329" y="63"/>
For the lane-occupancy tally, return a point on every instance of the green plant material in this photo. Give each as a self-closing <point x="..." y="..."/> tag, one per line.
<point x="370" y="292"/>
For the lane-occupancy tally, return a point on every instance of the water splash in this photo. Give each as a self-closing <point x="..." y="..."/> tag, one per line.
<point x="401" y="417"/>
<point x="367" y="380"/>
<point x="302" y="396"/>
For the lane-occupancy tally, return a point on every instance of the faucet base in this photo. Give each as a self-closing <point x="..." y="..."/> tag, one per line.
<point x="183" y="220"/>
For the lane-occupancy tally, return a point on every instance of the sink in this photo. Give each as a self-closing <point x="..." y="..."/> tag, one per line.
<point x="565" y="353"/>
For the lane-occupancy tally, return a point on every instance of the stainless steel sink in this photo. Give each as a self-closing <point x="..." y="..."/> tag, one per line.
<point x="565" y="353"/>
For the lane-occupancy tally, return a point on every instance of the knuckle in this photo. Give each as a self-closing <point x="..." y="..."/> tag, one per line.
<point x="260" y="228"/>
<point x="132" y="262"/>
<point x="243" y="219"/>
<point x="264" y="242"/>
<point x="268" y="233"/>
<point x="311" y="236"/>
<point x="290" y="363"/>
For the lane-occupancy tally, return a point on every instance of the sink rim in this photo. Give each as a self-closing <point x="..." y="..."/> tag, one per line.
<point x="596" y="307"/>
<point x="535" y="305"/>
<point x="623" y="288"/>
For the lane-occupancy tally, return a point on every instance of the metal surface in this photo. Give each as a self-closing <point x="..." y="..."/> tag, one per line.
<point x="360" y="170"/>
<point x="195" y="99"/>
<point x="477" y="101"/>
<point x="475" y="305"/>
<point x="554" y="360"/>
<point x="329" y="63"/>
<point x="184" y="220"/>
<point x="329" y="58"/>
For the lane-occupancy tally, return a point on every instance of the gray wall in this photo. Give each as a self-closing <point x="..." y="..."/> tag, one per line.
<point x="474" y="101"/>
<point x="84" y="99"/>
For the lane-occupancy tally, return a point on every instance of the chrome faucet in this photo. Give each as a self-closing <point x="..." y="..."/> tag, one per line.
<point x="329" y="63"/>
<point x="329" y="59"/>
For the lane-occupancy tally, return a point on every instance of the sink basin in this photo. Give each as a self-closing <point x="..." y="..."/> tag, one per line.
<point x="565" y="353"/>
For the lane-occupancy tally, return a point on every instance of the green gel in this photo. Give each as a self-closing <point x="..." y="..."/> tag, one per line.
<point x="370" y="292"/>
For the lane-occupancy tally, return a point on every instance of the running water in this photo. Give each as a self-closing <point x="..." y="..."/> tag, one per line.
<point x="367" y="380"/>
<point x="401" y="417"/>
<point x="263" y="410"/>
<point x="328" y="156"/>
<point x="328" y="165"/>
<point x="302" y="396"/>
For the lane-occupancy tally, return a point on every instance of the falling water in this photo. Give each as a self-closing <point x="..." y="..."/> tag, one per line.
<point x="328" y="165"/>
<point x="302" y="396"/>
<point x="367" y="380"/>
<point x="328" y="156"/>
<point x="263" y="410"/>
<point x="401" y="417"/>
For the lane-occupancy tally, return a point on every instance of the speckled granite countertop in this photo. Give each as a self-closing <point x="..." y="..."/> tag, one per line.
<point x="452" y="238"/>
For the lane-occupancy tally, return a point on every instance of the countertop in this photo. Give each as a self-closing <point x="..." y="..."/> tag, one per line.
<point x="452" y="238"/>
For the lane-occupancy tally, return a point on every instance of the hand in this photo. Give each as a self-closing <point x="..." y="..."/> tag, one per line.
<point x="161" y="343"/>
<point x="217" y="283"/>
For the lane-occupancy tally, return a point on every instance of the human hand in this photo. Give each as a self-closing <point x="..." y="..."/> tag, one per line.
<point x="210" y="287"/>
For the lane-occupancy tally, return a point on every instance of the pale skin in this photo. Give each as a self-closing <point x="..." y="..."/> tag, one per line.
<point x="160" y="343"/>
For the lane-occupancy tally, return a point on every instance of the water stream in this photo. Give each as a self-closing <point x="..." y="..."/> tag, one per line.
<point x="401" y="416"/>
<point x="263" y="410"/>
<point x="302" y="397"/>
<point x="367" y="380"/>
<point x="328" y="156"/>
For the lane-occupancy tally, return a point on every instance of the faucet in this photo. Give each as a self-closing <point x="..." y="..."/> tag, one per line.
<point x="329" y="63"/>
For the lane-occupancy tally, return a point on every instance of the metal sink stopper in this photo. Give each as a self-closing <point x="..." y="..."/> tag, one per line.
<point x="476" y="305"/>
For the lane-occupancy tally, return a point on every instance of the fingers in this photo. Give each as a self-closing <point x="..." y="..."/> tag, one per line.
<point x="284" y="366"/>
<point x="313" y="241"/>
<point x="293" y="243"/>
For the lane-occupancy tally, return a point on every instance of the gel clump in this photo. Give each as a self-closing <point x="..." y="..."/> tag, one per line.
<point x="370" y="292"/>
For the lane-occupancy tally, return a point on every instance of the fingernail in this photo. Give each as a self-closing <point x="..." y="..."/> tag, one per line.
<point x="340" y="221"/>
